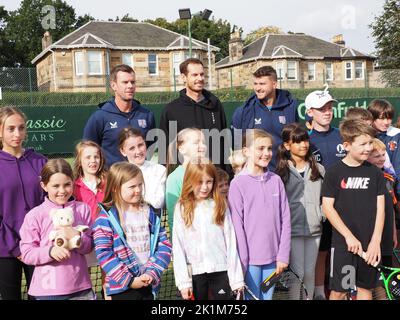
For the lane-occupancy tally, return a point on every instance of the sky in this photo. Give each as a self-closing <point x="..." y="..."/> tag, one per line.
<point x="319" y="18"/>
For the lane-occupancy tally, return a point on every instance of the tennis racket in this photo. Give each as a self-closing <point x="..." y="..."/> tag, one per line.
<point x="391" y="282"/>
<point x="287" y="286"/>
<point x="240" y="294"/>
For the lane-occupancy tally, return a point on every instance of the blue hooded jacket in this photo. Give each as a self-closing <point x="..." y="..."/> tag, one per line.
<point x="255" y="115"/>
<point x="104" y="126"/>
<point x="391" y="139"/>
<point x="327" y="147"/>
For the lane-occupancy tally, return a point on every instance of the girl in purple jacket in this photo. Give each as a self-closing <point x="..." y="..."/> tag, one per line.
<point x="260" y="214"/>
<point x="19" y="192"/>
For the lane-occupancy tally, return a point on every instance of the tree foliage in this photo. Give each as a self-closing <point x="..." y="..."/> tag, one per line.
<point x="386" y="31"/>
<point x="6" y="56"/>
<point x="217" y="30"/>
<point x="27" y="24"/>
<point x="260" y="32"/>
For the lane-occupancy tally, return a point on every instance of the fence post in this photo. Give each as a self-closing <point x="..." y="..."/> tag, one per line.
<point x="366" y="82"/>
<point x="231" y="91"/>
<point x="173" y="69"/>
<point x="30" y="87"/>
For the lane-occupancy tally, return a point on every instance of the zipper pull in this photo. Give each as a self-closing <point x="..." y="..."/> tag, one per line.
<point x="213" y="117"/>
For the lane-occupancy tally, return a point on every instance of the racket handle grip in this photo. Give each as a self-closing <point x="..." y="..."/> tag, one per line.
<point x="364" y="256"/>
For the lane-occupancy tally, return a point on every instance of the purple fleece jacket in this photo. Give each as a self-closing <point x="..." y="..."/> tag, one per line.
<point x="20" y="191"/>
<point x="261" y="217"/>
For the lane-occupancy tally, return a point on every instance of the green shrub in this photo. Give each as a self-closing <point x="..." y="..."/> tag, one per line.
<point x="234" y="94"/>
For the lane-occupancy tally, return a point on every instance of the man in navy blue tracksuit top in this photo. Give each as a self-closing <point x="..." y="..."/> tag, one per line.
<point x="268" y="108"/>
<point x="104" y="126"/>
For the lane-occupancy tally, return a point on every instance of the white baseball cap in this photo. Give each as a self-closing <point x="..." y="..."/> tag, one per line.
<point x="317" y="99"/>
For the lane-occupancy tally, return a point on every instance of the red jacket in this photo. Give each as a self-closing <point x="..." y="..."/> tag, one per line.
<point x="84" y="194"/>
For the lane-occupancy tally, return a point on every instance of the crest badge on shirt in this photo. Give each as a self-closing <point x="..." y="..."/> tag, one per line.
<point x="392" y="145"/>
<point x="114" y="125"/>
<point x="257" y="121"/>
<point x="142" y="123"/>
<point x="282" y="119"/>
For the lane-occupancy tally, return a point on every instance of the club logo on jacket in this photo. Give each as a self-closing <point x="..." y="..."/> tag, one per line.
<point x="392" y="145"/>
<point x="341" y="152"/>
<point x="282" y="119"/>
<point x="257" y="121"/>
<point x="142" y="123"/>
<point x="114" y="125"/>
<point x="355" y="183"/>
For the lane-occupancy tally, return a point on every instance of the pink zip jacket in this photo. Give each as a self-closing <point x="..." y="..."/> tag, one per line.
<point x="52" y="278"/>
<point x="84" y="194"/>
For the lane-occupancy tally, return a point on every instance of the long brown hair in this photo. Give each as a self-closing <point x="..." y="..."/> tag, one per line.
<point x="294" y="133"/>
<point x="54" y="166"/>
<point x="6" y="112"/>
<point x="119" y="173"/>
<point x="193" y="175"/>
<point x="78" y="171"/>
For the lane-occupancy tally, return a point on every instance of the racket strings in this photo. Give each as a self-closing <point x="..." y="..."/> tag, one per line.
<point x="394" y="286"/>
<point x="289" y="287"/>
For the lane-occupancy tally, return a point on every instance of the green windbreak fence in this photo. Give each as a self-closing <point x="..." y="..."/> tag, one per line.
<point x="56" y="129"/>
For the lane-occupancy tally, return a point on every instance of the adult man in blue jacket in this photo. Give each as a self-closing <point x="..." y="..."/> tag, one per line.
<point x="268" y="108"/>
<point x="104" y="126"/>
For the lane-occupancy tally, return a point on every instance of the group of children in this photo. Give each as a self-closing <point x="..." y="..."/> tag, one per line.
<point x="226" y="235"/>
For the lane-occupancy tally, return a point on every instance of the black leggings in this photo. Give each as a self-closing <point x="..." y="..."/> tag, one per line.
<point x="11" y="278"/>
<point x="143" y="293"/>
<point x="215" y="283"/>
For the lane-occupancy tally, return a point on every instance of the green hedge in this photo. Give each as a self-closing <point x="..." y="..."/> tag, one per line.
<point x="234" y="94"/>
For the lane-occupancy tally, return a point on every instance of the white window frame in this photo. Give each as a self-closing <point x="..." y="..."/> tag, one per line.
<point x="176" y="61"/>
<point x="295" y="70"/>
<point x="348" y="68"/>
<point x="313" y="71"/>
<point x="130" y="59"/>
<point x="99" y="54"/>
<point x="186" y="55"/>
<point x="280" y="66"/>
<point x="79" y="64"/>
<point x="362" y="70"/>
<point x="148" y="63"/>
<point x="329" y="75"/>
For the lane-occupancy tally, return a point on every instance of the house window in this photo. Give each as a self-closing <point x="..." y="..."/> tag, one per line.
<point x="79" y="64"/>
<point x="292" y="70"/>
<point x="194" y="55"/>
<point x="94" y="62"/>
<point x="311" y="71"/>
<point x="359" y="70"/>
<point x="153" y="64"/>
<point x="280" y="71"/>
<point x="127" y="58"/>
<point x="176" y="61"/>
<point x="348" y="70"/>
<point x="329" y="71"/>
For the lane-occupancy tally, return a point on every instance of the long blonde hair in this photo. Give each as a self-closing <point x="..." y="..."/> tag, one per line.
<point x="119" y="173"/>
<point x="173" y="148"/>
<point x="5" y="113"/>
<point x="78" y="171"/>
<point x="193" y="175"/>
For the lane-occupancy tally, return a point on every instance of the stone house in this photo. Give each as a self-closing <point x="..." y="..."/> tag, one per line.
<point x="301" y="61"/>
<point x="82" y="60"/>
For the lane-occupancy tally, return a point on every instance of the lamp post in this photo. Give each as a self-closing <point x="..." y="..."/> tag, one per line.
<point x="185" y="14"/>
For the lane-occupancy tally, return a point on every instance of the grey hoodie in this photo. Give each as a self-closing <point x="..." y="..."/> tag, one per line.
<point x="304" y="198"/>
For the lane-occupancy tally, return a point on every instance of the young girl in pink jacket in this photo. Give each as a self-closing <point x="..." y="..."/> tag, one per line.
<point x="60" y="273"/>
<point x="90" y="175"/>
